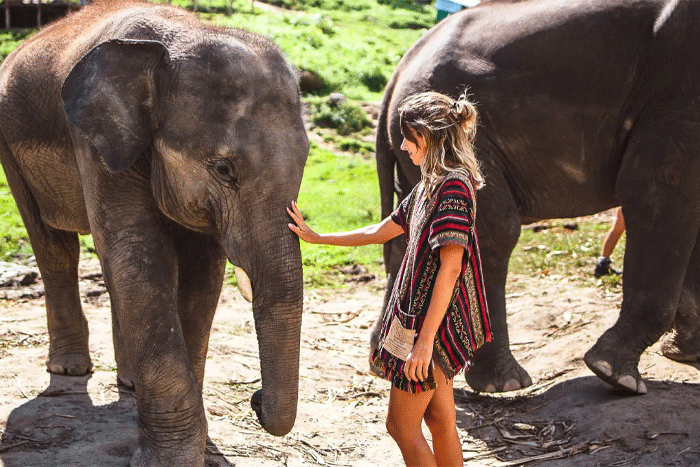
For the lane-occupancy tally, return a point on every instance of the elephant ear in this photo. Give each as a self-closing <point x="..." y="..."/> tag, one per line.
<point x="109" y="95"/>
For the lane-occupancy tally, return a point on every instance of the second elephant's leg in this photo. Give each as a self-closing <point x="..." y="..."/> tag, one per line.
<point x="657" y="185"/>
<point x="498" y="227"/>
<point x="683" y="342"/>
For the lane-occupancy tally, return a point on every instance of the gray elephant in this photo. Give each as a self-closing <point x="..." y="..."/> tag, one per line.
<point x="584" y="106"/>
<point x="177" y="145"/>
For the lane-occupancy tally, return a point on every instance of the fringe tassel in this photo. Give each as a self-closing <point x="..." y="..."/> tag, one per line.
<point x="393" y="373"/>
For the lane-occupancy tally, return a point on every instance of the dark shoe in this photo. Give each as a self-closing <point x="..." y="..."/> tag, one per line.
<point x="602" y="267"/>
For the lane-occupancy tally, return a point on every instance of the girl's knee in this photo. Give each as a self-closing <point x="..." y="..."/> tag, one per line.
<point x="440" y="419"/>
<point x="399" y="430"/>
<point x="394" y="428"/>
<point x="438" y="424"/>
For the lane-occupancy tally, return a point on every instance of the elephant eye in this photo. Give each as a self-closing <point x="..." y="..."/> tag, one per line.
<point x="224" y="171"/>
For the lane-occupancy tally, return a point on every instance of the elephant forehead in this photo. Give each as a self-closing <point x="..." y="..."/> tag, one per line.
<point x="231" y="93"/>
<point x="179" y="158"/>
<point x="232" y="66"/>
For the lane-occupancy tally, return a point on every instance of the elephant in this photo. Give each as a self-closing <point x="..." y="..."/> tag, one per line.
<point x="177" y="145"/>
<point x="583" y="106"/>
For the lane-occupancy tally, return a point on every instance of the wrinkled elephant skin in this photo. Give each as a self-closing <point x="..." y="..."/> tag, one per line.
<point x="583" y="106"/>
<point x="178" y="146"/>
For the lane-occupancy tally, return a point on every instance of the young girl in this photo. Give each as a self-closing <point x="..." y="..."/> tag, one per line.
<point x="437" y="315"/>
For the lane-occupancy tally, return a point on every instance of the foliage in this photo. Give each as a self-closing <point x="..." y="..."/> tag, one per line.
<point x="353" y="145"/>
<point x="338" y="193"/>
<point x="13" y="237"/>
<point x="11" y="39"/>
<point x="354" y="51"/>
<point x="346" y="117"/>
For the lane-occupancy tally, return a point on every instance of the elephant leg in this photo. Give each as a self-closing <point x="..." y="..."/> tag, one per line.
<point x="57" y="253"/>
<point x="140" y="267"/>
<point x="657" y="185"/>
<point x="141" y="270"/>
<point x="683" y="342"/>
<point x="124" y="373"/>
<point x="498" y="227"/>
<point x="200" y="276"/>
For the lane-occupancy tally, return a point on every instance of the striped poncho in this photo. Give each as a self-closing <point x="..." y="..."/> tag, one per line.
<point x="446" y="218"/>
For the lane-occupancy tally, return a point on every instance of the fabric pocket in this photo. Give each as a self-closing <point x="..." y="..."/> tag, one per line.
<point x="399" y="340"/>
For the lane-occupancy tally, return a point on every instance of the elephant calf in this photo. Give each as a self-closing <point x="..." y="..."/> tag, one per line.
<point x="178" y="146"/>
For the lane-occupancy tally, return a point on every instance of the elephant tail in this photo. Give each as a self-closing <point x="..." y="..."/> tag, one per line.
<point x="386" y="164"/>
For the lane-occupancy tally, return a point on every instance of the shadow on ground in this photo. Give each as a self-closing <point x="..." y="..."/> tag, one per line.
<point x="584" y="422"/>
<point x="63" y="427"/>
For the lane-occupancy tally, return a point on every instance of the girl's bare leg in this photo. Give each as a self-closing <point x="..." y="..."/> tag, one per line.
<point x="441" y="418"/>
<point x="403" y="423"/>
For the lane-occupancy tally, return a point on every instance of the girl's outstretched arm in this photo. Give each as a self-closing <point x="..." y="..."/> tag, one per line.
<point x="371" y="234"/>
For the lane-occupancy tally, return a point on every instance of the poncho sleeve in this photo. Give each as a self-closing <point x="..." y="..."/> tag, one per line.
<point x="400" y="215"/>
<point x="453" y="219"/>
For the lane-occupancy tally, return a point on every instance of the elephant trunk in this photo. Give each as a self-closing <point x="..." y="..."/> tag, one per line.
<point x="277" y="289"/>
<point x="276" y="403"/>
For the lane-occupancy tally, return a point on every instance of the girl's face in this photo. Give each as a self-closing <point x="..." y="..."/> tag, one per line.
<point x="415" y="151"/>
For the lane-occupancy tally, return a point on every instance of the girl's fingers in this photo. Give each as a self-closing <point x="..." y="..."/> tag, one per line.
<point x="409" y="369"/>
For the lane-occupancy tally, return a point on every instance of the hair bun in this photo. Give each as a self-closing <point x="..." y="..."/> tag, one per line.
<point x="463" y="110"/>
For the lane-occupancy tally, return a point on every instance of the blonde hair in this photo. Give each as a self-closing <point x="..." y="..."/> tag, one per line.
<point x="448" y="127"/>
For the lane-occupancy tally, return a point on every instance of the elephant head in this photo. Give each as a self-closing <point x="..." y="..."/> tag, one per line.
<point x="214" y="122"/>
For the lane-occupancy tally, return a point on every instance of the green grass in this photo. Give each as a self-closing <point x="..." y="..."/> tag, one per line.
<point x="563" y="254"/>
<point x="355" y="52"/>
<point x="10" y="40"/>
<point x="14" y="242"/>
<point x="338" y="193"/>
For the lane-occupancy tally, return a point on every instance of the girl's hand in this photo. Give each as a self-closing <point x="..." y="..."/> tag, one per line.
<point x="419" y="360"/>
<point x="299" y="227"/>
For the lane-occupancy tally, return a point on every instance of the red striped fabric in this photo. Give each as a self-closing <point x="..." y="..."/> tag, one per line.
<point x="447" y="218"/>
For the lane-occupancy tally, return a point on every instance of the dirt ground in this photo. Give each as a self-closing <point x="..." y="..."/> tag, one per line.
<point x="567" y="418"/>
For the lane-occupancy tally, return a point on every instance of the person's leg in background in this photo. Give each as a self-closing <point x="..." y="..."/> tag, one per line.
<point x="602" y="266"/>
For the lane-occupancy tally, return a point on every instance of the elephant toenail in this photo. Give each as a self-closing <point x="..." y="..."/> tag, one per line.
<point x="628" y="382"/>
<point x="511" y="385"/>
<point x="490" y="388"/>
<point x="642" y="388"/>
<point x="604" y="367"/>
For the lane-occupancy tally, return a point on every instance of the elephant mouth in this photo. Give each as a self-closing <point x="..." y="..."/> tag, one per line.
<point x="244" y="286"/>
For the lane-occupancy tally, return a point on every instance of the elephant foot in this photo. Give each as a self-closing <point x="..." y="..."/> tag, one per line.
<point x="144" y="457"/>
<point x="676" y="348"/>
<point x="502" y="375"/>
<point x="127" y="384"/>
<point x="609" y="365"/>
<point x="125" y="378"/>
<point x="70" y="364"/>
